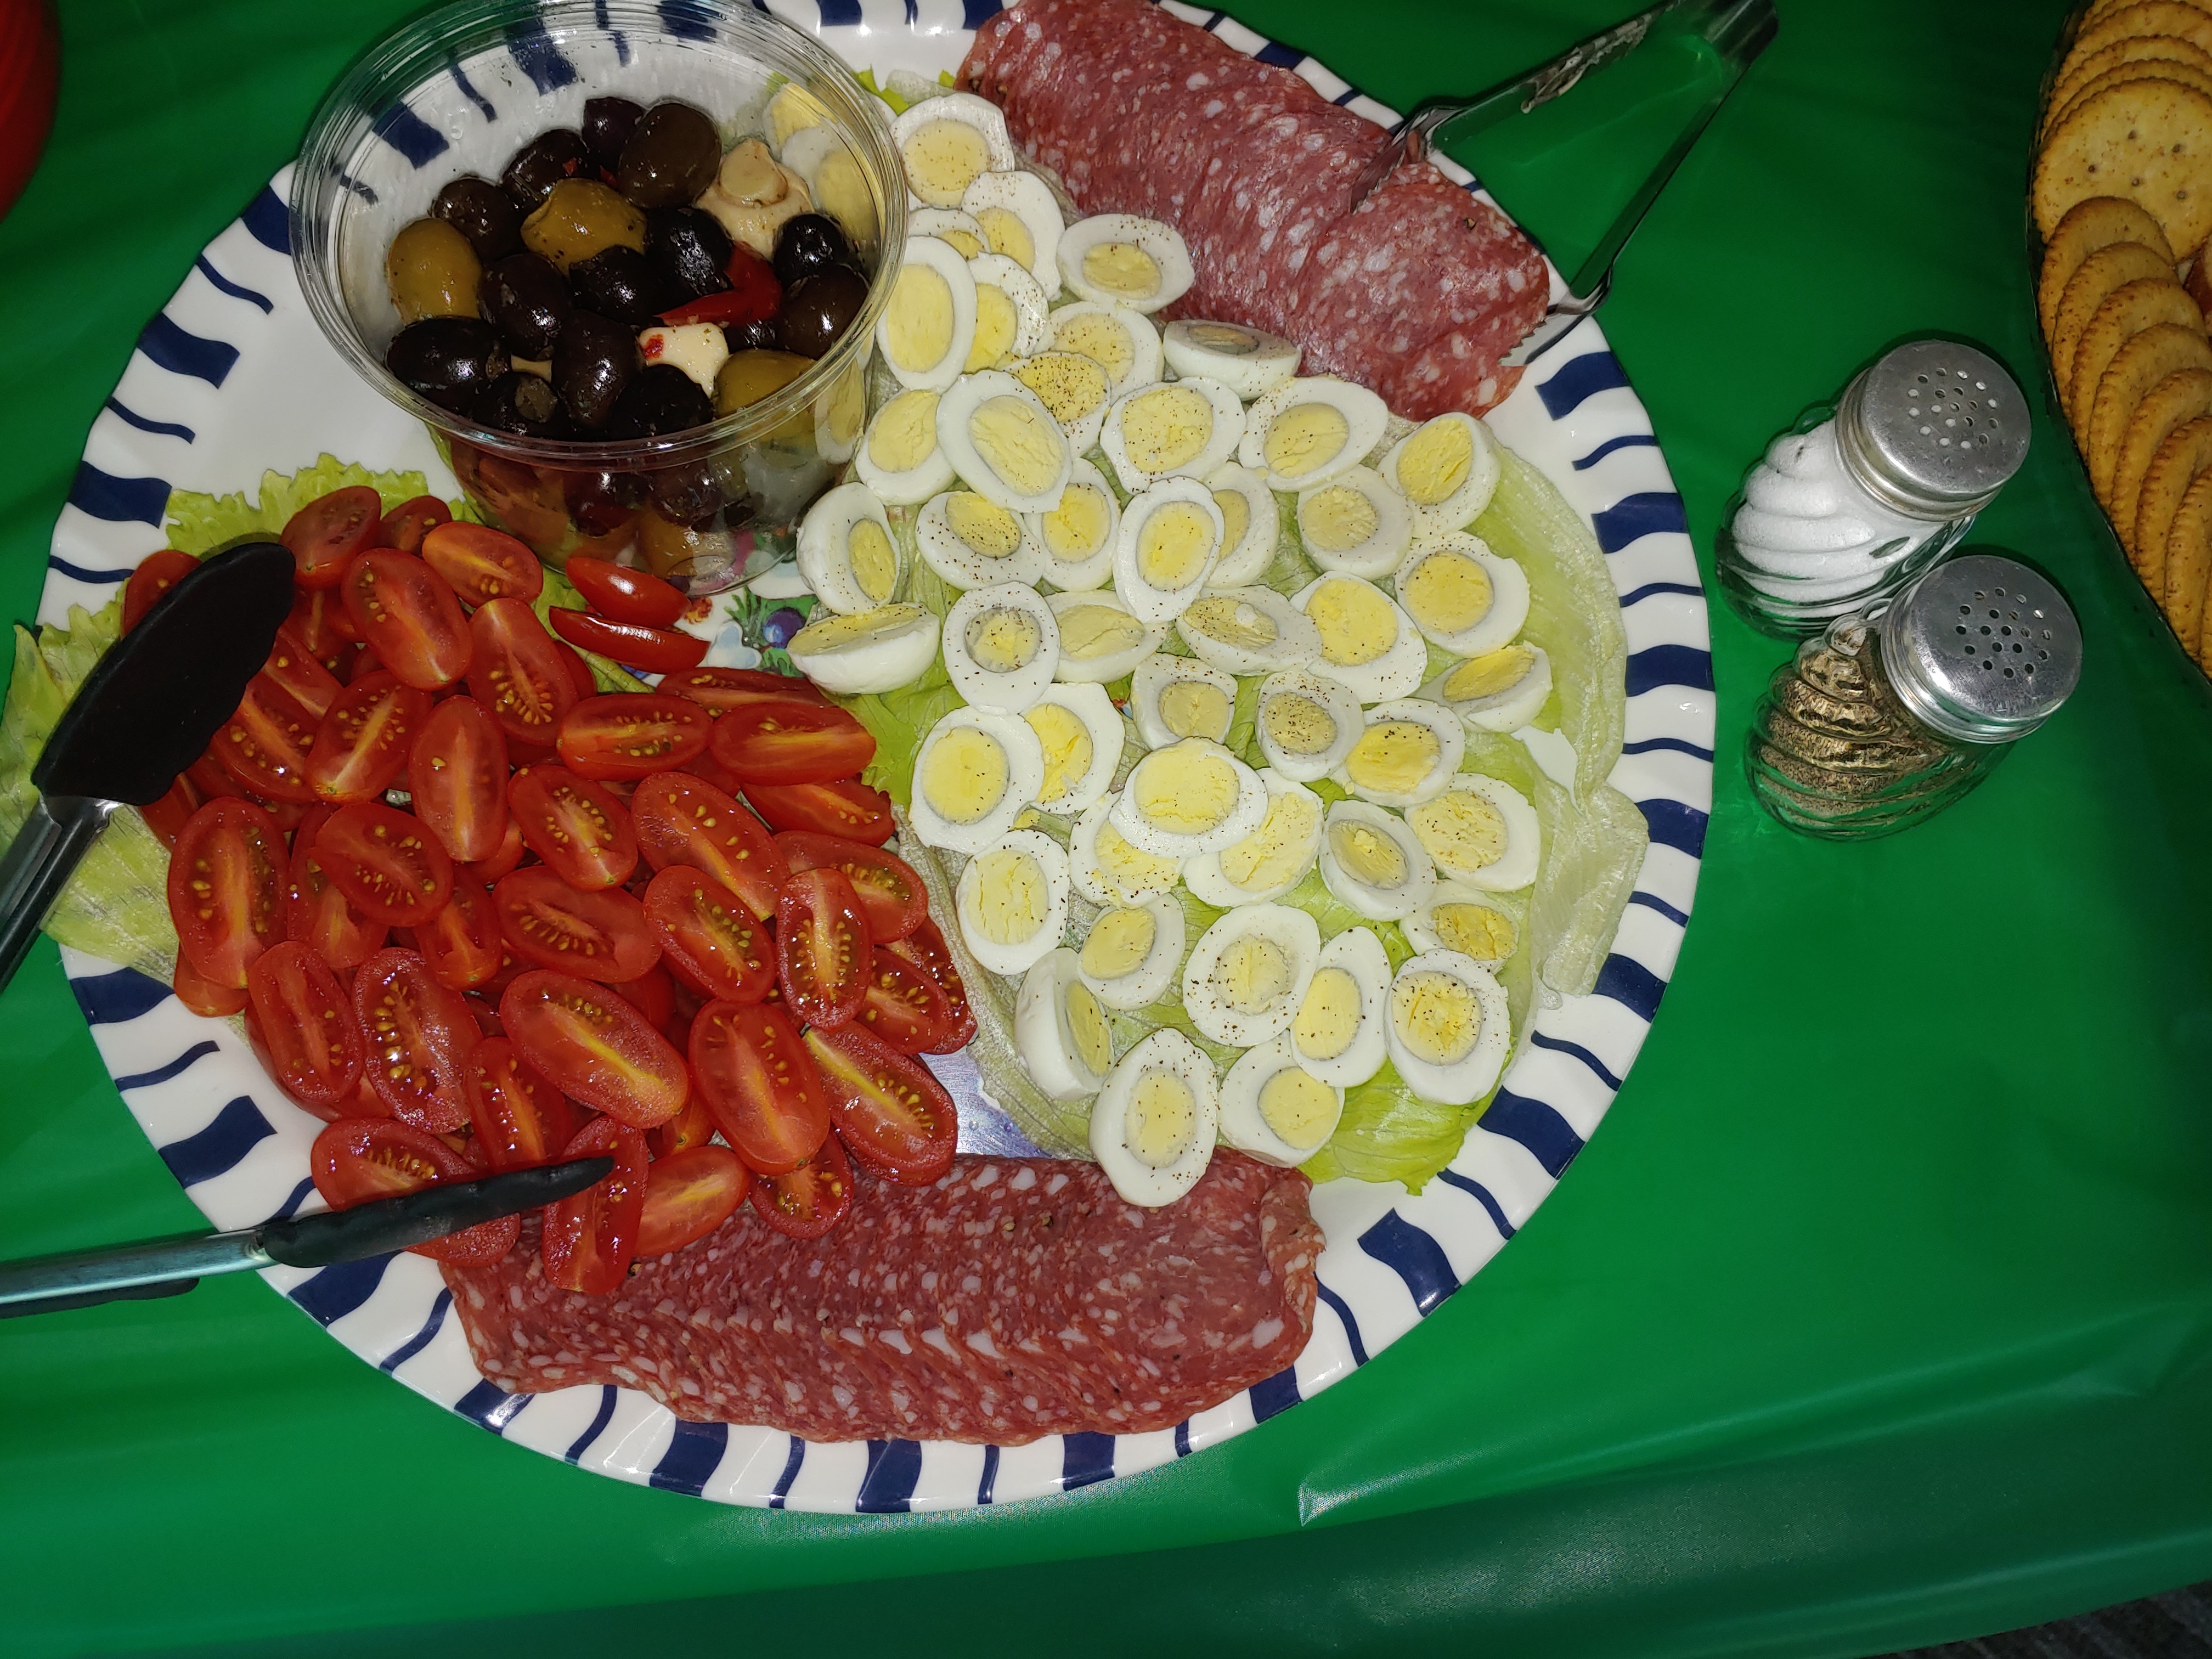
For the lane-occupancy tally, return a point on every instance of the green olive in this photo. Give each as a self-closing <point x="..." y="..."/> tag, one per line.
<point x="433" y="271"/>
<point x="582" y="217"/>
<point x="749" y="376"/>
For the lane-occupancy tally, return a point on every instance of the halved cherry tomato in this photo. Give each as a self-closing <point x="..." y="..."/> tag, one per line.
<point x="168" y="817"/>
<point x="655" y="650"/>
<point x="456" y="775"/>
<point x="680" y="819"/>
<point x="226" y="887"/>
<point x="709" y="937"/>
<point x="265" y="744"/>
<point x="363" y="743"/>
<point x="203" y="995"/>
<point x="365" y="663"/>
<point x="903" y="1005"/>
<point x="157" y="573"/>
<point x="653" y="993"/>
<point x="718" y="690"/>
<point x="892" y="896"/>
<point x="764" y="1090"/>
<point x="823" y="952"/>
<point x="386" y="863"/>
<point x="788" y="743"/>
<point x="318" y="617"/>
<point x="690" y="1194"/>
<point x="328" y="533"/>
<point x="578" y="670"/>
<point x="692" y="1126"/>
<point x="632" y="735"/>
<point x="600" y="935"/>
<point x="320" y="916"/>
<point x="356" y="1160"/>
<point x="508" y="855"/>
<point x="210" y="780"/>
<point x="299" y="671"/>
<point x="590" y="1237"/>
<point x="595" y="1047"/>
<point x="895" y="1118"/>
<point x="576" y="826"/>
<point x="409" y="615"/>
<point x="307" y="1021"/>
<point x="419" y="1033"/>
<point x="520" y="1119"/>
<point x="926" y="949"/>
<point x="615" y="591"/>
<point x="405" y="525"/>
<point x="850" y="808"/>
<point x="811" y="1199"/>
<point x="462" y="945"/>
<point x="484" y="564"/>
<point x="518" y="672"/>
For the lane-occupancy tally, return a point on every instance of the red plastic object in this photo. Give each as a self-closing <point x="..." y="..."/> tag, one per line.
<point x="30" y="75"/>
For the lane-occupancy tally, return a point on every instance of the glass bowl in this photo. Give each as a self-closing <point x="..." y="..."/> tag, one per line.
<point x="458" y="90"/>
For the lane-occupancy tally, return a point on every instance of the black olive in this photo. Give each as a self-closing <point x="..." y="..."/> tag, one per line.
<point x="523" y="404"/>
<point x="484" y="213"/>
<point x="545" y="162"/>
<point x="817" y="309"/>
<point x="671" y="158"/>
<point x="608" y="123"/>
<point x="624" y="284"/>
<point x="762" y="336"/>
<point x="449" y="360"/>
<point x="660" y="400"/>
<point x="807" y="242"/>
<point x="691" y="246"/>
<point x="692" y="492"/>
<point x="528" y="302"/>
<point x="595" y="362"/>
<point x="600" y="503"/>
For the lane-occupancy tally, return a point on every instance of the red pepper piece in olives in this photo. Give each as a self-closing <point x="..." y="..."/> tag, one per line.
<point x="545" y="162"/>
<point x="624" y="284"/>
<point x="449" y="360"/>
<point x="818" y="308"/>
<point x="484" y="213"/>
<point x="660" y="400"/>
<point x="671" y="158"/>
<point x="691" y="245"/>
<point x="594" y="363"/>
<point x="528" y="303"/>
<point x="521" y="403"/>
<point x="806" y="243"/>
<point x="608" y="123"/>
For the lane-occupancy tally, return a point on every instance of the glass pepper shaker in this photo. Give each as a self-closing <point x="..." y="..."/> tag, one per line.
<point x="1882" y="722"/>
<point x="1859" y="497"/>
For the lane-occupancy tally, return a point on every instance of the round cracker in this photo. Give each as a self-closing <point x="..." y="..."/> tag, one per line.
<point x="2085" y="359"/>
<point x="2079" y="72"/>
<point x="2188" y="561"/>
<point x="2184" y="22"/>
<point x="2183" y="396"/>
<point x="2150" y="69"/>
<point x="2148" y="358"/>
<point x="2098" y="11"/>
<point x="2147" y="140"/>
<point x="2186" y="452"/>
<point x="2098" y="222"/>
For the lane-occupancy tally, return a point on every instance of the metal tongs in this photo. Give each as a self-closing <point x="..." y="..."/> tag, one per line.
<point x="1728" y="33"/>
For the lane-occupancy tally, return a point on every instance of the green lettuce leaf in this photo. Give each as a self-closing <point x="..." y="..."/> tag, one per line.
<point x="201" y="524"/>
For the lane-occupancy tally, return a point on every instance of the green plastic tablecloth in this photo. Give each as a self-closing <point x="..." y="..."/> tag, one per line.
<point x="1876" y="1315"/>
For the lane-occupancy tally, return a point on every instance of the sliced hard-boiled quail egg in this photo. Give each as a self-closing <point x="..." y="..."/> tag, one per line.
<point x="1463" y="917"/>
<point x="1017" y="217"/>
<point x="1004" y="442"/>
<point x="1249" y="526"/>
<point x="1249" y="630"/>
<point x="1059" y="1029"/>
<point x="950" y="225"/>
<point x="1338" y="1032"/>
<point x="1374" y="863"/>
<point x="1355" y="523"/>
<point x="1001" y="645"/>
<point x="1079" y="730"/>
<point x="846" y="553"/>
<point x="1270" y="861"/>
<point x="972" y="541"/>
<point x="1275" y="1109"/>
<point x="1172" y="698"/>
<point x="1366" y="640"/>
<point x="927" y="329"/>
<point x="841" y="409"/>
<point x="1407" y="752"/>
<point x="1153" y="1125"/>
<point x="1106" y="869"/>
<point x="1306" y="724"/>
<point x="794" y="109"/>
<point x="1449" y="1031"/>
<point x="1249" y="973"/>
<point x="834" y="177"/>
<point x="1117" y="337"/>
<point x="1307" y="432"/>
<point x="949" y="142"/>
<point x="1250" y="361"/>
<point x="977" y="772"/>
<point x="1171" y="429"/>
<point x="1077" y="536"/>
<point x="899" y="457"/>
<point x="878" y="650"/>
<point x="1446" y="469"/>
<point x="1136" y="262"/>
<point x="1072" y="388"/>
<point x="1010" y="312"/>
<point x="1012" y="901"/>
<point x="1189" y="797"/>
<point x="1482" y="831"/>
<point x="1168" y="540"/>
<point x="1500" y="692"/>
<point x="1100" y="638"/>
<point x="1462" y="595"/>
<point x="1132" y="951"/>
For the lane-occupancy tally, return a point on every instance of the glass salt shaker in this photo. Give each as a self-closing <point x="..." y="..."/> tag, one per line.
<point x="1883" y="721"/>
<point x="1859" y="497"/>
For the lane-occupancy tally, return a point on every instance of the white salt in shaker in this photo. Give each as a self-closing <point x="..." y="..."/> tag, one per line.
<point x="1859" y="497"/>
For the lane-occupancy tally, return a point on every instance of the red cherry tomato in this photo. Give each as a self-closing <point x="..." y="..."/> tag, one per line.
<point x="810" y="1201"/>
<point x="168" y="817"/>
<point x="408" y="615"/>
<point x="309" y="1024"/>
<point x="589" y="1238"/>
<point x="363" y="741"/>
<point x="850" y="808"/>
<point x="457" y="779"/>
<point x="482" y="564"/>
<point x="520" y="1119"/>
<point x="764" y="1090"/>
<point x="823" y="953"/>
<point x="653" y="993"/>
<point x="788" y="743"/>
<point x="157" y="573"/>
<point x="486" y="872"/>
<point x="204" y="996"/>
<point x="419" y="1033"/>
<point x="707" y="936"/>
<point x="688" y="1196"/>
<point x="328" y="533"/>
<point x="518" y="671"/>
<point x="632" y="735"/>
<point x="356" y="1160"/>
<point x="318" y="618"/>
<point x="893" y="1117"/>
<point x="718" y="690"/>
<point x="625" y="595"/>
<point x="655" y="650"/>
<point x="386" y="863"/>
<point x="405" y="525"/>
<point x="926" y="949"/>
<point x="601" y="935"/>
<point x="320" y="916"/>
<point x="681" y="820"/>
<point x="299" y="671"/>
<point x="226" y="887"/>
<point x="365" y="663"/>
<point x="575" y="825"/>
<point x="903" y="1005"/>
<point x="892" y="896"/>
<point x="595" y="1047"/>
<point x="462" y="945"/>
<point x="265" y="746"/>
<point x="580" y="672"/>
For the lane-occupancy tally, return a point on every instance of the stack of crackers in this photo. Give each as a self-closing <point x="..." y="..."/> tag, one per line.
<point x="2122" y="199"/>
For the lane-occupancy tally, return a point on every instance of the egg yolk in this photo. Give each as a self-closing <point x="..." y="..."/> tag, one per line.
<point x="1368" y="856"/>
<point x="1438" y="1016"/>
<point x="1225" y="339"/>
<point x="792" y="109"/>
<point x="842" y="192"/>
<point x="1118" y="942"/>
<point x="1165" y="427"/>
<point x="1101" y="339"/>
<point x="1076" y="529"/>
<point x="1233" y="622"/>
<point x="848" y="406"/>
<point x="960" y="239"/>
<point x="996" y="324"/>
<point x="1273" y="853"/>
<point x="1091" y="631"/>
<point x="1004" y="229"/>
<point x="964" y="775"/>
<point x="905" y="432"/>
<point x="1304" y="437"/>
<point x="1461" y="830"/>
<point x="874" y="561"/>
<point x="1298" y="1107"/>
<point x="1020" y="442"/>
<point x="1446" y="591"/>
<point x="1129" y="870"/>
<point x="1394" y="757"/>
<point x="1069" y="384"/>
<point x="1474" y="930"/>
<point x="1162" y="1119"/>
<point x="1011" y="897"/>
<point x="832" y="633"/>
<point x="1338" y="519"/>
<point x="1328" y="1018"/>
<point x="1184" y="790"/>
<point x="1298" y="724"/>
<point x="943" y="158"/>
<point x="1067" y="743"/>
<point x="1174" y="546"/>
<point x="1235" y="517"/>
<point x="983" y="526"/>
<point x="1086" y="1026"/>
<point x="1355" y="621"/>
<point x="1003" y="640"/>
<point x="1436" y="461"/>
<point x="1122" y="269"/>
<point x="1195" y="708"/>
<point x="1252" y="974"/>
<point x="918" y="322"/>
<point x="1487" y="675"/>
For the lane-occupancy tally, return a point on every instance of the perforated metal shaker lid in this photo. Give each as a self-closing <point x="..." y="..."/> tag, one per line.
<point x="1982" y="649"/>
<point x="1933" y="429"/>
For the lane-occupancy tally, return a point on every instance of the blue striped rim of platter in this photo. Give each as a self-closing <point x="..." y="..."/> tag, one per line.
<point x="233" y="377"/>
